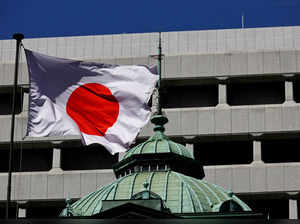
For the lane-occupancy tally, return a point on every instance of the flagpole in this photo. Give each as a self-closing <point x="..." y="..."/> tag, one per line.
<point x="159" y="75"/>
<point x="18" y="37"/>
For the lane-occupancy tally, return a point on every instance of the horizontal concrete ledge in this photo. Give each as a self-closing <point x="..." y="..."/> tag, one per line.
<point x="54" y="185"/>
<point x="256" y="178"/>
<point x="173" y="43"/>
<point x="234" y="120"/>
<point x="241" y="179"/>
<point x="194" y="122"/>
<point x="233" y="64"/>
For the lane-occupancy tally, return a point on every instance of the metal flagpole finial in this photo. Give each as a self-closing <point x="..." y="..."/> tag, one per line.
<point x="18" y="36"/>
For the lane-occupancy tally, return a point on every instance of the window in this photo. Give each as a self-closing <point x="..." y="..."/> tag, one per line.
<point x="255" y="93"/>
<point x="6" y="99"/>
<point x="12" y="212"/>
<point x="26" y="159"/>
<point x="280" y="151"/>
<point x="189" y="96"/>
<point x="161" y="167"/>
<point x="224" y="153"/>
<point x="272" y="208"/>
<point x="87" y="158"/>
<point x="48" y="209"/>
<point x="153" y="167"/>
<point x="296" y="90"/>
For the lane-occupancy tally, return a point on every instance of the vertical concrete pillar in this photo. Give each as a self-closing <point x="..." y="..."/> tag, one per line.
<point x="21" y="209"/>
<point x="257" y="151"/>
<point x="222" y="85"/>
<point x="56" y="159"/>
<point x="190" y="147"/>
<point x="25" y="103"/>
<point x="289" y="92"/>
<point x="22" y="213"/>
<point x="293" y="209"/>
<point x="257" y="158"/>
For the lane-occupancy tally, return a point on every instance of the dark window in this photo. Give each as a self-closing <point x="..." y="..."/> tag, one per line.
<point x="145" y="168"/>
<point x="272" y="208"/>
<point x="6" y="97"/>
<point x="12" y="212"/>
<point x="280" y="151"/>
<point x="296" y="90"/>
<point x="161" y="167"/>
<point x="43" y="212"/>
<point x="224" y="153"/>
<point x="189" y="96"/>
<point x="26" y="159"/>
<point x="255" y="93"/>
<point x="49" y="209"/>
<point x="87" y="158"/>
<point x="36" y="159"/>
<point x="298" y="207"/>
<point x="153" y="167"/>
<point x="4" y="153"/>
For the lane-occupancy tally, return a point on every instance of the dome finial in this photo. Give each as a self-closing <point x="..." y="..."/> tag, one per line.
<point x="159" y="121"/>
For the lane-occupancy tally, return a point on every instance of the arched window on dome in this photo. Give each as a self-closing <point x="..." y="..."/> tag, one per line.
<point x="230" y="206"/>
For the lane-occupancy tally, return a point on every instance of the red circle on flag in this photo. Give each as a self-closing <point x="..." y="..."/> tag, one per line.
<point x="93" y="107"/>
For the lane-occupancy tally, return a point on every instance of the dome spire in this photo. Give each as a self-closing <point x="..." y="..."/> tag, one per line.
<point x="159" y="58"/>
<point x="159" y="153"/>
<point x="159" y="120"/>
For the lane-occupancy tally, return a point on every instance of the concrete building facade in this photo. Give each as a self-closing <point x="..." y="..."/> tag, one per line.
<point x="231" y="96"/>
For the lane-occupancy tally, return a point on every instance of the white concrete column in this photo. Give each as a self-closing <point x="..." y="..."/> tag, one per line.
<point x="257" y="158"/>
<point x="222" y="91"/>
<point x="293" y="209"/>
<point x="25" y="103"/>
<point x="191" y="148"/>
<point x="56" y="160"/>
<point x="289" y="91"/>
<point x="22" y="213"/>
<point x="257" y="151"/>
<point x="21" y="209"/>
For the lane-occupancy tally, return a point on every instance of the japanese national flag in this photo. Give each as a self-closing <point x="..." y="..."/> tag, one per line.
<point x="105" y="104"/>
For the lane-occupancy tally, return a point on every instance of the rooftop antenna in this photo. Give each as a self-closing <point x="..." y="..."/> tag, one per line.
<point x="243" y="20"/>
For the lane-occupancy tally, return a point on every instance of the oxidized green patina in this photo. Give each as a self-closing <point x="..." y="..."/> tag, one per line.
<point x="159" y="143"/>
<point x="164" y="166"/>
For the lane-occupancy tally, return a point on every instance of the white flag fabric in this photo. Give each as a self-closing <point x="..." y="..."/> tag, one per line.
<point x="105" y="104"/>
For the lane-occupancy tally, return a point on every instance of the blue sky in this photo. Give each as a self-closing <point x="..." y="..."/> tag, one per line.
<point x="40" y="18"/>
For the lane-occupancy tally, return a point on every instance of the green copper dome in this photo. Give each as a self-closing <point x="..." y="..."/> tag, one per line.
<point x="159" y="143"/>
<point x="159" y="153"/>
<point x="171" y="175"/>
<point x="180" y="193"/>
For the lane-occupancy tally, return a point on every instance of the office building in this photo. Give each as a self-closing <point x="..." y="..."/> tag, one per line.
<point x="231" y="96"/>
